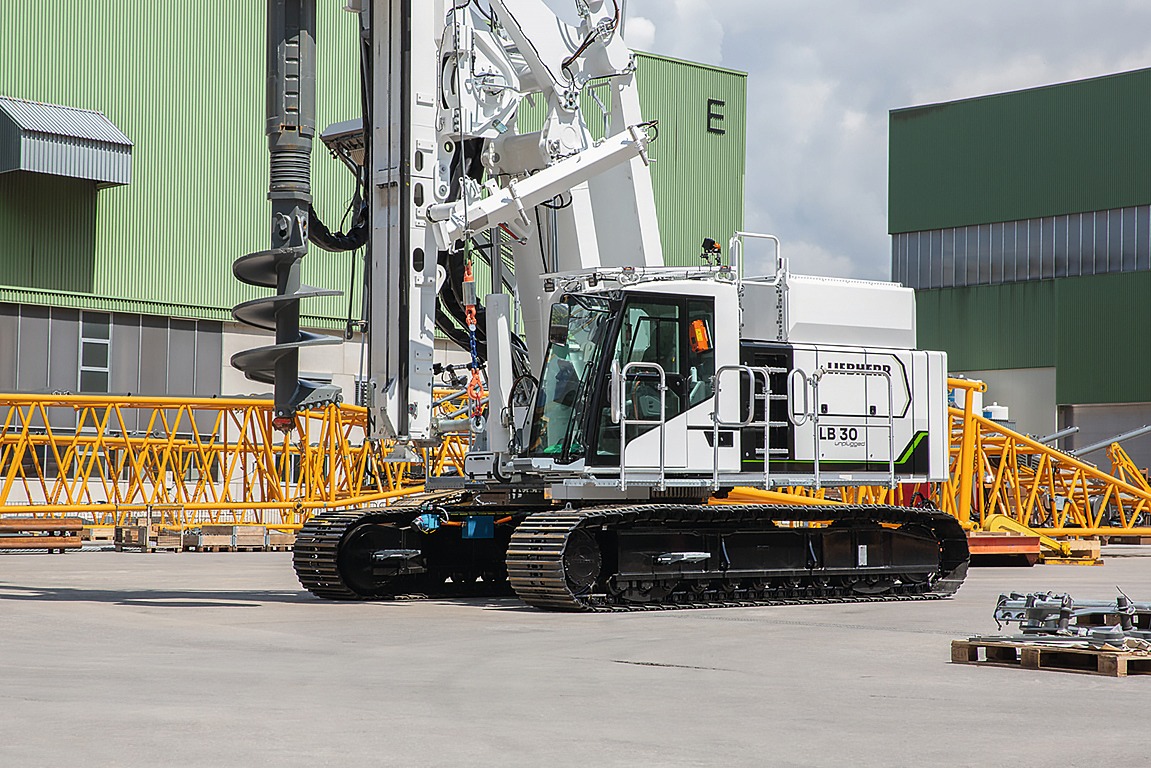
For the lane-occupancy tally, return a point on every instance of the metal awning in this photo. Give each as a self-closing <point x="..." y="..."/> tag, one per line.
<point x="63" y="141"/>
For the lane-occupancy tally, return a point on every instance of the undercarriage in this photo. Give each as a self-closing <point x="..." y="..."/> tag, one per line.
<point x="635" y="557"/>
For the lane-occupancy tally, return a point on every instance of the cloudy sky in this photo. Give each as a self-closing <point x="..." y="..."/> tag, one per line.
<point x="823" y="75"/>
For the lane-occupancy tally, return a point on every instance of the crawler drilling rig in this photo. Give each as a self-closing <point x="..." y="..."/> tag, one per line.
<point x="622" y="398"/>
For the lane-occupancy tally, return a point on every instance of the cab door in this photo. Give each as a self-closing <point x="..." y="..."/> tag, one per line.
<point x="651" y="334"/>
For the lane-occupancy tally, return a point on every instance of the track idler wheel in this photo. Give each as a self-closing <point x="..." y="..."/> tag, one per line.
<point x="362" y="568"/>
<point x="582" y="561"/>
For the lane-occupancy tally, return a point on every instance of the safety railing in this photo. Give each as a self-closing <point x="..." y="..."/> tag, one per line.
<point x="756" y="375"/>
<point x="625" y="421"/>
<point x="735" y="250"/>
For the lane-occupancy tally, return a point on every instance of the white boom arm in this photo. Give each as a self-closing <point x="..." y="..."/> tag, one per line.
<point x="509" y="206"/>
<point x="449" y="80"/>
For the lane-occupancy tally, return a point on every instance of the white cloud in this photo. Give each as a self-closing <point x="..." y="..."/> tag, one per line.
<point x="804" y="258"/>
<point x="824" y="75"/>
<point x="686" y="29"/>
<point x="639" y="33"/>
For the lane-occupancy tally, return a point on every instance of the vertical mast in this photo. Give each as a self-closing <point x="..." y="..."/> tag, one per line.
<point x="403" y="175"/>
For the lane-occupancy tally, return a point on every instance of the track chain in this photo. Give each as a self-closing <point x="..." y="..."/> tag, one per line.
<point x="536" y="570"/>
<point x="316" y="554"/>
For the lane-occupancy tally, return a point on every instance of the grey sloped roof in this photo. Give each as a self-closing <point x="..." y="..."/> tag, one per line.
<point x="63" y="141"/>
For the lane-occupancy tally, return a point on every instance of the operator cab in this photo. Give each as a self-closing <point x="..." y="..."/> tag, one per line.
<point x="648" y="336"/>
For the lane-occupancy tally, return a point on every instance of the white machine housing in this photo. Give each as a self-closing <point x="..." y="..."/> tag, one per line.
<point x="844" y="385"/>
<point x="862" y="406"/>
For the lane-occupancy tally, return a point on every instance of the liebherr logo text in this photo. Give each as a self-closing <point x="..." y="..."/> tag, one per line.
<point x="858" y="367"/>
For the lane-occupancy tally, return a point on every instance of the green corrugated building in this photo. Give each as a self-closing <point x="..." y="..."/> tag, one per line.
<point x="1023" y="220"/>
<point x="116" y="241"/>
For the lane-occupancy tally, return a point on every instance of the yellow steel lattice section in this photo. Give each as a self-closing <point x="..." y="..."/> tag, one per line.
<point x="1041" y="487"/>
<point x="996" y="471"/>
<point x="193" y="460"/>
<point x="219" y="460"/>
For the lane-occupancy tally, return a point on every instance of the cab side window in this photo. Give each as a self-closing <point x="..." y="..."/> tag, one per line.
<point x="651" y="334"/>
<point x="700" y="350"/>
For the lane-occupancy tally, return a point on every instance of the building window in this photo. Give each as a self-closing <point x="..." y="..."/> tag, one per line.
<point x="1070" y="245"/>
<point x="95" y="340"/>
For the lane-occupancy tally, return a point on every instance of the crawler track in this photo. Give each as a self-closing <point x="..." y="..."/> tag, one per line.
<point x="549" y="546"/>
<point x="602" y="559"/>
<point x="330" y="565"/>
<point x="316" y="555"/>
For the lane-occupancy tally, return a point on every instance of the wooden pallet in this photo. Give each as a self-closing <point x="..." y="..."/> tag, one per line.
<point x="133" y="537"/>
<point x="281" y="541"/>
<point x="32" y="533"/>
<point x="1130" y="540"/>
<point x="230" y="548"/>
<point x="226" y="538"/>
<point x="147" y="538"/>
<point x="1034" y="656"/>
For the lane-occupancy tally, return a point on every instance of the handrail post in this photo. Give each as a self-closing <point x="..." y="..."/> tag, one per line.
<point x="890" y="429"/>
<point x="715" y="401"/>
<point x="661" y="424"/>
<point x="766" y="424"/>
<point x="816" y="378"/>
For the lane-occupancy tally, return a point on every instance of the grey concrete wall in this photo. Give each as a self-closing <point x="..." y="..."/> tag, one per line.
<point x="1102" y="422"/>
<point x="1029" y="393"/>
<point x="147" y="355"/>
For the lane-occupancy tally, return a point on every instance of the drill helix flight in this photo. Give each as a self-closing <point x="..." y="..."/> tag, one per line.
<point x="605" y="438"/>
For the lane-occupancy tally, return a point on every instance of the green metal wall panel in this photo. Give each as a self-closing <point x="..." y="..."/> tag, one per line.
<point x="1102" y="331"/>
<point x="1090" y="329"/>
<point x="698" y="176"/>
<point x="47" y="231"/>
<point x="187" y="87"/>
<point x="991" y="326"/>
<point x="1060" y="149"/>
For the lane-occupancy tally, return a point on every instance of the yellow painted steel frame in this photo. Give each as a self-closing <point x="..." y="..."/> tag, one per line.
<point x="190" y="461"/>
<point x="185" y="462"/>
<point x="1047" y="490"/>
<point x="997" y="474"/>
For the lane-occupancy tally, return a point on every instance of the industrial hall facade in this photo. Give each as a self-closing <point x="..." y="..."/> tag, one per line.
<point x="134" y="170"/>
<point x="1023" y="221"/>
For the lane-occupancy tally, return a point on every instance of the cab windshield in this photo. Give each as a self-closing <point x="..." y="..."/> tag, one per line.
<point x="568" y="378"/>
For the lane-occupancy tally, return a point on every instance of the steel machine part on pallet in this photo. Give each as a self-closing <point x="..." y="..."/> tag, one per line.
<point x="1047" y="616"/>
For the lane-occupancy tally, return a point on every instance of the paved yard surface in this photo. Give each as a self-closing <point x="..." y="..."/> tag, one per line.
<point x="118" y="659"/>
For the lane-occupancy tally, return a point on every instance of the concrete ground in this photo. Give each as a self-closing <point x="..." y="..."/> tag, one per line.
<point x="116" y="659"/>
